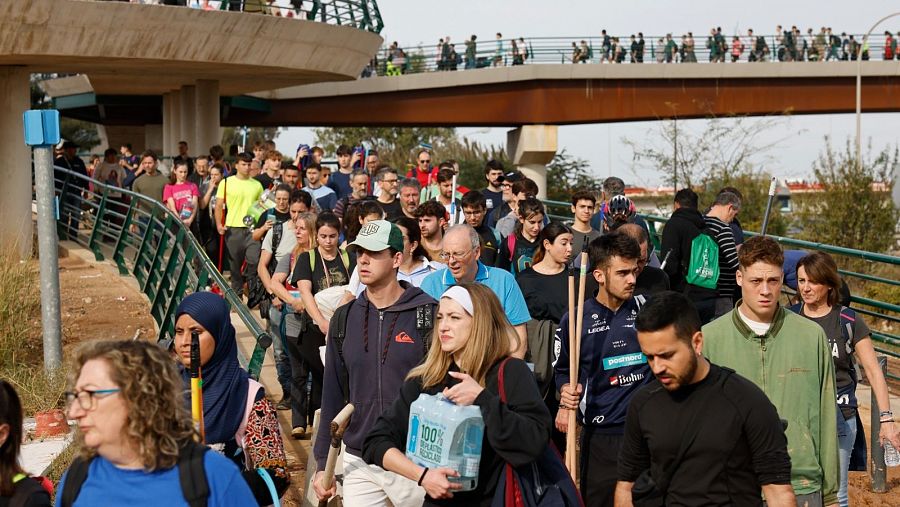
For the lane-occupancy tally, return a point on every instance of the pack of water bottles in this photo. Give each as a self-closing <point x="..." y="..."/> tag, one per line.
<point x="443" y="434"/>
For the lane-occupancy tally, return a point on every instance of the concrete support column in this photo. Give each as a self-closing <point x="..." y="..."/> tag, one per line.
<point x="153" y="137"/>
<point x="15" y="172"/>
<point x="188" y="117"/>
<point x="531" y="148"/>
<point x="168" y="124"/>
<point x="208" y="122"/>
<point x="171" y="148"/>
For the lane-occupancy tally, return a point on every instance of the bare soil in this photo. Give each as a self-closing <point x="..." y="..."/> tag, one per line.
<point x="97" y="303"/>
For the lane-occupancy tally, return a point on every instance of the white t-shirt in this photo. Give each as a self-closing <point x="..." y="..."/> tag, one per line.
<point x="760" y="328"/>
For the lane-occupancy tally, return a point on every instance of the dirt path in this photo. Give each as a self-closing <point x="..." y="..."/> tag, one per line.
<point x="97" y="303"/>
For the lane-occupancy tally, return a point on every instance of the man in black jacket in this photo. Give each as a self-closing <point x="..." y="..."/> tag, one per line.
<point x="383" y="342"/>
<point x="683" y="226"/>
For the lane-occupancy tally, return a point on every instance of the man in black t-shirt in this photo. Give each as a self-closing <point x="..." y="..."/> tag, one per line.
<point x="705" y="434"/>
<point x="474" y="208"/>
<point x="493" y="194"/>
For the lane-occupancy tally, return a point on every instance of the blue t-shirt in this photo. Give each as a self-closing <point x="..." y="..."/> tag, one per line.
<point x="342" y="182"/>
<point x="501" y="282"/>
<point x="107" y="484"/>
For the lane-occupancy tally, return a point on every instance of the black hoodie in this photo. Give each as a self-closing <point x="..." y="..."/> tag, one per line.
<point x="377" y="363"/>
<point x="683" y="226"/>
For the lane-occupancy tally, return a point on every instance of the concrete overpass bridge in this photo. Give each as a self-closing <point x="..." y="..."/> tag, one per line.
<point x="186" y="58"/>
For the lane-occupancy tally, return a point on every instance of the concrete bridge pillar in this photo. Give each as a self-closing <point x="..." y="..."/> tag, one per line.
<point x="171" y="123"/>
<point x="188" y="117"/>
<point x="531" y="148"/>
<point x="208" y="130"/>
<point x="15" y="171"/>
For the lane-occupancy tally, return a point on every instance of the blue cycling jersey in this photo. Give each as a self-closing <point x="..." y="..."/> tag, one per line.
<point x="611" y="367"/>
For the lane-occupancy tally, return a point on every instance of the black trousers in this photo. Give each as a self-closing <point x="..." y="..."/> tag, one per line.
<point x="599" y="461"/>
<point x="303" y="353"/>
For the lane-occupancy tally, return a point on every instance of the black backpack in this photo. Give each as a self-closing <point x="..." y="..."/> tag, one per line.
<point x="338" y="331"/>
<point x="191" y="475"/>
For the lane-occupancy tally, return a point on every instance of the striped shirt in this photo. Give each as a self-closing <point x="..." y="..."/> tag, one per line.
<point x="728" y="255"/>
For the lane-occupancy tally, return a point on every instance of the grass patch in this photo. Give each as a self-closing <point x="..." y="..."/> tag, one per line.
<point x="21" y="347"/>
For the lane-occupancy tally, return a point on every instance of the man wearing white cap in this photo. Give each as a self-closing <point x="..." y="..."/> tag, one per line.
<point x="373" y="343"/>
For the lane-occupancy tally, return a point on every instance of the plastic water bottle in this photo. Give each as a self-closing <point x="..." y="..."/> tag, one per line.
<point x="891" y="456"/>
<point x="443" y="434"/>
<point x="187" y="210"/>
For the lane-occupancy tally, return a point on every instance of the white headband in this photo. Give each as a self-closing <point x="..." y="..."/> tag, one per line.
<point x="461" y="296"/>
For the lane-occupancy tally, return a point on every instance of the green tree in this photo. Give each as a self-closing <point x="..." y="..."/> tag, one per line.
<point x="398" y="147"/>
<point x="566" y="174"/>
<point x="855" y="208"/>
<point x="754" y="187"/>
<point x="82" y="133"/>
<point x="725" y="146"/>
<point x="235" y="136"/>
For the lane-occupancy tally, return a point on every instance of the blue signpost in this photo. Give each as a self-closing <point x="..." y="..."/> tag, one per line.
<point x="42" y="133"/>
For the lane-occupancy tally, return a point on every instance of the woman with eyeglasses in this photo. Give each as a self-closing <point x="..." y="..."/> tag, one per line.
<point x="238" y="420"/>
<point x="470" y="349"/>
<point x="135" y="433"/>
<point x="16" y="488"/>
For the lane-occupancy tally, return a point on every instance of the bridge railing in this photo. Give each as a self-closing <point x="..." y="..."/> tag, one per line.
<point x="557" y="50"/>
<point x="882" y="316"/>
<point x="151" y="243"/>
<point x="361" y="14"/>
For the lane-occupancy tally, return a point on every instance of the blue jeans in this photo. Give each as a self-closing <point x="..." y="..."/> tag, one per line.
<point x="846" y="436"/>
<point x="279" y="350"/>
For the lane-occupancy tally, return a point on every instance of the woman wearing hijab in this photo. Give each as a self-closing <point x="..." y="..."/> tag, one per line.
<point x="238" y="419"/>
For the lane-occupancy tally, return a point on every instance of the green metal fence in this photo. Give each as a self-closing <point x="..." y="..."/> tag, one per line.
<point x="361" y="14"/>
<point x="149" y="242"/>
<point x="879" y="314"/>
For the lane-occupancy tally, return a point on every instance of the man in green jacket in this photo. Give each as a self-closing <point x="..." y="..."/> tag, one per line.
<point x="789" y="360"/>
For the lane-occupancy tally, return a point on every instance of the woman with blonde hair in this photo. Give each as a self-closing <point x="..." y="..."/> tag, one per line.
<point x="469" y="347"/>
<point x="136" y="434"/>
<point x="292" y="304"/>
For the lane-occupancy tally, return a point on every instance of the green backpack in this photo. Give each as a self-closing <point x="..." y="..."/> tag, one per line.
<point x="703" y="266"/>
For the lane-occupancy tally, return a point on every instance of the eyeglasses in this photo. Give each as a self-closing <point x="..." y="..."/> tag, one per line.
<point x="505" y="185"/>
<point x="391" y="181"/>
<point x="425" y="161"/>
<point x="473" y="213"/>
<point x="458" y="256"/>
<point x="86" y="398"/>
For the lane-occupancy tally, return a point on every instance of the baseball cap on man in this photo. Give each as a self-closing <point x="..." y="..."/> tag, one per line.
<point x="379" y="235"/>
<point x="510" y="177"/>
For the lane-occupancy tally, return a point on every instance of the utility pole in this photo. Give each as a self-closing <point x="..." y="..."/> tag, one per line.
<point x="42" y="132"/>
<point x="675" y="157"/>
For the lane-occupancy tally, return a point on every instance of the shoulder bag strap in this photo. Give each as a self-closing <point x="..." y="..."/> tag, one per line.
<point x="76" y="476"/>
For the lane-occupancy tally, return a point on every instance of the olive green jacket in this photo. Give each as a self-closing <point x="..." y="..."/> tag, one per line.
<point x="792" y="364"/>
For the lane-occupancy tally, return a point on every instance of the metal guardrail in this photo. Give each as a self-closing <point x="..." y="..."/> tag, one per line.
<point x="149" y="242"/>
<point x="361" y="14"/>
<point x="556" y="50"/>
<point x="878" y="311"/>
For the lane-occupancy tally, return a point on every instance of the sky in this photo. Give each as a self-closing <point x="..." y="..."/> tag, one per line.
<point x="800" y="138"/>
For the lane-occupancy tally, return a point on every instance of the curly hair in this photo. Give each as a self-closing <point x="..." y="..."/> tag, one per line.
<point x="158" y="424"/>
